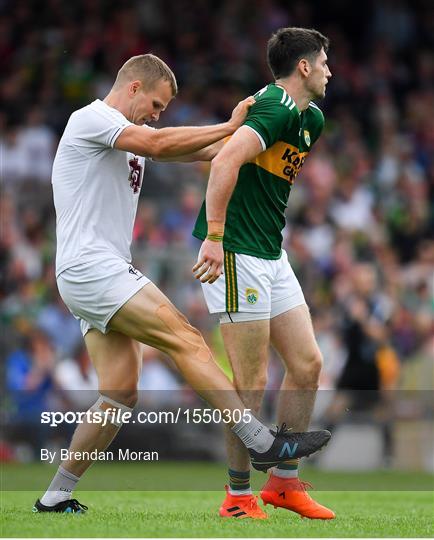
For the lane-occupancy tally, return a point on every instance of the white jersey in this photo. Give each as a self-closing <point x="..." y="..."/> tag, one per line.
<point x="96" y="188"/>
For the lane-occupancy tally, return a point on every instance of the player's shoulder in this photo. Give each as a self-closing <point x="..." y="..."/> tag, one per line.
<point x="97" y="109"/>
<point x="96" y="117"/>
<point x="85" y="114"/>
<point x="89" y="108"/>
<point x="268" y="92"/>
<point x="315" y="112"/>
<point x="313" y="121"/>
<point x="274" y="98"/>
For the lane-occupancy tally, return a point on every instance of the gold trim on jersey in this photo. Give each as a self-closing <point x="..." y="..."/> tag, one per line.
<point x="281" y="159"/>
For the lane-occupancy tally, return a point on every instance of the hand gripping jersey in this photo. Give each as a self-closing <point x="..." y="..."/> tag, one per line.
<point x="256" y="212"/>
<point x="96" y="188"/>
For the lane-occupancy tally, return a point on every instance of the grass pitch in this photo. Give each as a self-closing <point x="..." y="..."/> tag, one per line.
<point x="194" y="514"/>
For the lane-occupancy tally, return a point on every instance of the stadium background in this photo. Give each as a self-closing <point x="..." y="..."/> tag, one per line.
<point x="365" y="194"/>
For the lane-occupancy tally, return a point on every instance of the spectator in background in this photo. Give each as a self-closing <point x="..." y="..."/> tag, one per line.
<point x="57" y="322"/>
<point x="352" y="208"/>
<point x="179" y="221"/>
<point x="14" y="163"/>
<point x="29" y="380"/>
<point x="371" y="364"/>
<point x="30" y="250"/>
<point x="37" y="142"/>
<point x="158" y="383"/>
<point x="365" y="313"/>
<point x="147" y="230"/>
<point x="76" y="377"/>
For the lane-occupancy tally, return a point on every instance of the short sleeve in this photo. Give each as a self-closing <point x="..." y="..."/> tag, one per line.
<point x="268" y="118"/>
<point x="316" y="122"/>
<point x="98" y="125"/>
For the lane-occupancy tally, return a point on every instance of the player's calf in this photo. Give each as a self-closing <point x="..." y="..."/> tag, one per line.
<point x="89" y="436"/>
<point x="114" y="404"/>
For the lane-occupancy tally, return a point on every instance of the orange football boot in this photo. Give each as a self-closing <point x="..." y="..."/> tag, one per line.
<point x="241" y="506"/>
<point x="290" y="493"/>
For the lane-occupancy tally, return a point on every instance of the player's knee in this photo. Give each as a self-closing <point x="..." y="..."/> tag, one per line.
<point x="191" y="346"/>
<point x="308" y="370"/>
<point x="314" y="366"/>
<point x="186" y="343"/>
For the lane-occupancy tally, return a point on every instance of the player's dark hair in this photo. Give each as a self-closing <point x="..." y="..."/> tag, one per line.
<point x="149" y="69"/>
<point x="288" y="46"/>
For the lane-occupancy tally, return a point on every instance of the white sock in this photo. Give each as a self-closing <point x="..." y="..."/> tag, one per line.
<point x="240" y="491"/>
<point x="254" y="434"/>
<point x="285" y="473"/>
<point x="61" y="487"/>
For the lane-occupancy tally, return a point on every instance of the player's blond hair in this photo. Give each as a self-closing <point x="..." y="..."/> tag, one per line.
<point x="147" y="68"/>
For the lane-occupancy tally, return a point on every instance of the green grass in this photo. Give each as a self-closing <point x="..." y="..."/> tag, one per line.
<point x="194" y="514"/>
<point x="202" y="476"/>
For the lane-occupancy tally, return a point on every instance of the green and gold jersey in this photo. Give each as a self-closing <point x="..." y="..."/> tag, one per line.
<point x="256" y="211"/>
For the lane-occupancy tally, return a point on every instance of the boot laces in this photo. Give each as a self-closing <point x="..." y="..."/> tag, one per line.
<point x="282" y="430"/>
<point x="253" y="503"/>
<point x="254" y="507"/>
<point x="76" y="506"/>
<point x="306" y="485"/>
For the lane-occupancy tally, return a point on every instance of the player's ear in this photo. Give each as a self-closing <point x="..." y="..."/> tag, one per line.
<point x="304" y="67"/>
<point x="134" y="87"/>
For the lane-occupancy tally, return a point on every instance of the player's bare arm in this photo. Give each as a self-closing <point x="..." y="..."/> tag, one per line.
<point x="172" y="142"/>
<point x="205" y="154"/>
<point x="241" y="148"/>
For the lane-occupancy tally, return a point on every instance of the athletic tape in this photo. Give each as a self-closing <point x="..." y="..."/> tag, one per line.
<point x="106" y="400"/>
<point x="179" y="325"/>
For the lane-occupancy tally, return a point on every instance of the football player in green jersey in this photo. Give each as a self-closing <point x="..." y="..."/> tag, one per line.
<point x="119" y="308"/>
<point x="258" y="297"/>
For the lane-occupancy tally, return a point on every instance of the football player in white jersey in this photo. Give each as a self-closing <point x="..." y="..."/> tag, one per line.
<point x="97" y="176"/>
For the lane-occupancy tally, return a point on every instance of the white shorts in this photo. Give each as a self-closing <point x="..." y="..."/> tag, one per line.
<point x="253" y="289"/>
<point x="95" y="291"/>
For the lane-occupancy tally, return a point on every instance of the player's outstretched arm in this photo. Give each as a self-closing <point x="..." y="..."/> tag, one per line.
<point x="204" y="154"/>
<point x="178" y="141"/>
<point x="242" y="147"/>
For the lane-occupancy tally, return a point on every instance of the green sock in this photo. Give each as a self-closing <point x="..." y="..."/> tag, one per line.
<point x="239" y="482"/>
<point x="287" y="469"/>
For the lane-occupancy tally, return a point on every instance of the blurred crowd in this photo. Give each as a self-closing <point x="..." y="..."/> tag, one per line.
<point x="360" y="215"/>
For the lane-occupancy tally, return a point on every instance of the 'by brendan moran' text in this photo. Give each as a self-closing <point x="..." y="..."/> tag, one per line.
<point x="126" y="454"/>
